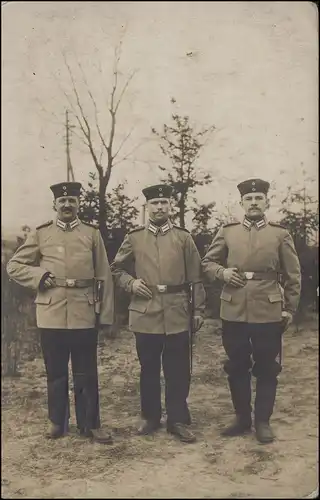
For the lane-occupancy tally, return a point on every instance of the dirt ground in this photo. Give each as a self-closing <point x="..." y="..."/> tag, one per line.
<point x="160" y="466"/>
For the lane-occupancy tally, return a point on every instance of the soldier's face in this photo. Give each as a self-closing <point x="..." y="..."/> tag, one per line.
<point x="159" y="209"/>
<point x="254" y="205"/>
<point x="67" y="207"/>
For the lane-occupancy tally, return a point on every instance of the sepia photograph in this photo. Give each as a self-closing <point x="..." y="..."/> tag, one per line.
<point x="160" y="249"/>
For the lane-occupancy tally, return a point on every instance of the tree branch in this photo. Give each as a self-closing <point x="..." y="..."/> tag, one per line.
<point x="86" y="132"/>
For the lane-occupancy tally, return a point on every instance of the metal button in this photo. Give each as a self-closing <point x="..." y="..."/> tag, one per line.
<point x="70" y="283"/>
<point x="248" y="275"/>
<point x="162" y="288"/>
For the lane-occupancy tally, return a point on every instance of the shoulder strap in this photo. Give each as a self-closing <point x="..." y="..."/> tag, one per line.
<point x="181" y="228"/>
<point x="45" y="224"/>
<point x="135" y="229"/>
<point x="231" y="224"/>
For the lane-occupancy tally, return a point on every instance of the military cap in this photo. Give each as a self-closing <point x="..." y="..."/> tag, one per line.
<point x="66" y="189"/>
<point x="158" y="191"/>
<point x="253" y="186"/>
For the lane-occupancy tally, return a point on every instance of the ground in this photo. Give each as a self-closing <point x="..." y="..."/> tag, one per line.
<point x="161" y="466"/>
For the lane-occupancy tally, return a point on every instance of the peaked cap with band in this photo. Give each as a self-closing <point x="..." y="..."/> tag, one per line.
<point x="157" y="191"/>
<point x="253" y="186"/>
<point x="66" y="189"/>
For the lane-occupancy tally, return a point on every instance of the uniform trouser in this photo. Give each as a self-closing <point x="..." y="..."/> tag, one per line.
<point x="57" y="346"/>
<point x="262" y="343"/>
<point x="174" y="351"/>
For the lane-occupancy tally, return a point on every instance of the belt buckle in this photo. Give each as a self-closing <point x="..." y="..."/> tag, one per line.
<point x="162" y="288"/>
<point x="71" y="283"/>
<point x="248" y="275"/>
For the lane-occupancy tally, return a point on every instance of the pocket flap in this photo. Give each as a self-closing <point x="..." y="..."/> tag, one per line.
<point x="226" y="296"/>
<point x="138" y="306"/>
<point x="43" y="299"/>
<point x="275" y="297"/>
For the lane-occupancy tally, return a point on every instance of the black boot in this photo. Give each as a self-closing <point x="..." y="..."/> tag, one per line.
<point x="54" y="431"/>
<point x="240" y="389"/>
<point x="148" y="427"/>
<point x="265" y="398"/>
<point x="264" y="432"/>
<point x="182" y="431"/>
<point x="239" y="427"/>
<point x="266" y="389"/>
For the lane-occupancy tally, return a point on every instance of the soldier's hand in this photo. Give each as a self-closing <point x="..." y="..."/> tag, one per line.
<point x="286" y="319"/>
<point x="197" y="323"/>
<point x="49" y="282"/>
<point x="140" y="288"/>
<point x="233" y="278"/>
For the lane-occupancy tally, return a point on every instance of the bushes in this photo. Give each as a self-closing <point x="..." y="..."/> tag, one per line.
<point x="19" y="336"/>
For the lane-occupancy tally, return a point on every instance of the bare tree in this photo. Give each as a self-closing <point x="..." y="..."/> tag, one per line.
<point x="102" y="146"/>
<point x="182" y="145"/>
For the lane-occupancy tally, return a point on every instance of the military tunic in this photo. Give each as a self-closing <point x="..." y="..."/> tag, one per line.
<point x="252" y="315"/>
<point x="66" y="316"/>
<point x="75" y="252"/>
<point x="165" y="255"/>
<point x="249" y="247"/>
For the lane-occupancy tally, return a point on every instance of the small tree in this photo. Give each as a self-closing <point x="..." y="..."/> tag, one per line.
<point x="121" y="211"/>
<point x="301" y="216"/>
<point x="182" y="145"/>
<point x="202" y="216"/>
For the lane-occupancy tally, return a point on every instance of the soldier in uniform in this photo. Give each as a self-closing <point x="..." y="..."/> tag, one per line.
<point x="154" y="264"/>
<point x="65" y="262"/>
<point x="248" y="258"/>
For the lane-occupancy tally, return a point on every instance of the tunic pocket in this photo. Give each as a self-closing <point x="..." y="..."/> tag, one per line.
<point x="138" y="306"/>
<point x="275" y="297"/>
<point x="42" y="299"/>
<point x="226" y="296"/>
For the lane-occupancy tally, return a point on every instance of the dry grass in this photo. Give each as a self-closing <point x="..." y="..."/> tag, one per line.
<point x="161" y="466"/>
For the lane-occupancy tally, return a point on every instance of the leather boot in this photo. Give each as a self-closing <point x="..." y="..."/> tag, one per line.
<point x="264" y="432"/>
<point x="148" y="427"/>
<point x="265" y="398"/>
<point x="182" y="432"/>
<point x="240" y="390"/>
<point x="238" y="427"/>
<point x="97" y="435"/>
<point x="266" y="389"/>
<point x="54" y="431"/>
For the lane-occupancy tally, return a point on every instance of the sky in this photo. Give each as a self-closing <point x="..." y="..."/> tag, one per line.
<point x="248" y="68"/>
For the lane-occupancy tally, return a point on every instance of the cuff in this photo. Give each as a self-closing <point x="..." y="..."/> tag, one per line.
<point x="219" y="273"/>
<point x="42" y="280"/>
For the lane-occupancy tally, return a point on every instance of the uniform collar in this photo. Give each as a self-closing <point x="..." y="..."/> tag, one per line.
<point x="258" y="224"/>
<point x="159" y="229"/>
<point x="68" y="226"/>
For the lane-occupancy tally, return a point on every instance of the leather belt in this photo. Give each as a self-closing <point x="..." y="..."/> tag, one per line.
<point x="169" y="288"/>
<point x="73" y="283"/>
<point x="252" y="275"/>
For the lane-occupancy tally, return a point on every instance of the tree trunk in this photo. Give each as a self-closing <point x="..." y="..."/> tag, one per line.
<point x="182" y="212"/>
<point x="103" y="209"/>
